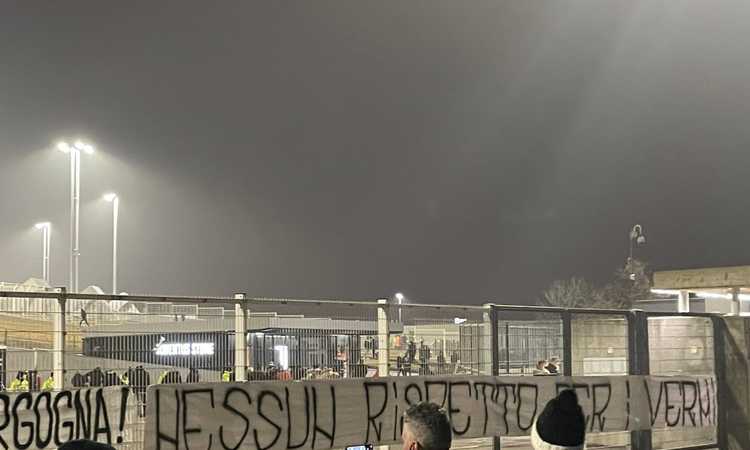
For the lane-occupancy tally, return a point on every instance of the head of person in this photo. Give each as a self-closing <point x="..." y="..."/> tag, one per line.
<point x="561" y="425"/>
<point x="84" y="444"/>
<point x="541" y="364"/>
<point x="426" y="427"/>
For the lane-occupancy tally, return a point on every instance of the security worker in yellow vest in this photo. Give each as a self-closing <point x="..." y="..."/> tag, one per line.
<point x="20" y="383"/>
<point x="226" y="376"/>
<point x="49" y="383"/>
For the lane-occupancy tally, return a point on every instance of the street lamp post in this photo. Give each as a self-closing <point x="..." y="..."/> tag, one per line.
<point x="45" y="228"/>
<point x="400" y="299"/>
<point x="636" y="237"/>
<point x="75" y="192"/>
<point x="115" y="200"/>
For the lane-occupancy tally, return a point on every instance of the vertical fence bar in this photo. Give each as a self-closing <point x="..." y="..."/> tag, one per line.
<point x="507" y="347"/>
<point x="495" y="349"/>
<point x="494" y="340"/>
<point x="567" y="329"/>
<point x="383" y="334"/>
<point x="638" y="359"/>
<point x="240" y="338"/>
<point x="58" y="342"/>
<point x="720" y="334"/>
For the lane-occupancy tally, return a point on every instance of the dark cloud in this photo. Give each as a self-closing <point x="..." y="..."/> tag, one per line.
<point x="458" y="151"/>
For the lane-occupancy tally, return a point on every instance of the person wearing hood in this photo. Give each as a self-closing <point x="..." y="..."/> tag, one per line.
<point x="561" y="425"/>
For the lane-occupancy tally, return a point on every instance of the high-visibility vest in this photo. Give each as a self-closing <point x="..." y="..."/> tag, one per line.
<point x="49" y="384"/>
<point x="225" y="376"/>
<point x="161" y="377"/>
<point x="124" y="379"/>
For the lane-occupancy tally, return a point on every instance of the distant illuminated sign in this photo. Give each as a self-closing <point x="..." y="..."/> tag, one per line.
<point x="194" y="349"/>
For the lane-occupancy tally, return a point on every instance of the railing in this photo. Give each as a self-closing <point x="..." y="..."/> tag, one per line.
<point x="87" y="339"/>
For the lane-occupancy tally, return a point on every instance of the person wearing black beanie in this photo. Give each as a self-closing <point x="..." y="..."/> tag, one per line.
<point x="561" y="425"/>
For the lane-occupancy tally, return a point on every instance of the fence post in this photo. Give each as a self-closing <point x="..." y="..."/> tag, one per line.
<point x="383" y="334"/>
<point x="494" y="340"/>
<point x="495" y="349"/>
<point x="720" y="365"/>
<point x="567" y="329"/>
<point x="58" y="341"/>
<point x="240" y="338"/>
<point x="638" y="362"/>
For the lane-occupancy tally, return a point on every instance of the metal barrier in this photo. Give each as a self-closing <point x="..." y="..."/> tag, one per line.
<point x="87" y="339"/>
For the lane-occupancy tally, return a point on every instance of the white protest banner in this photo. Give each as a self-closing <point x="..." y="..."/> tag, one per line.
<point x="46" y="420"/>
<point x="333" y="414"/>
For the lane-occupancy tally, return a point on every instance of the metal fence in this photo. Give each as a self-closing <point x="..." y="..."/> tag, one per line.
<point x="94" y="340"/>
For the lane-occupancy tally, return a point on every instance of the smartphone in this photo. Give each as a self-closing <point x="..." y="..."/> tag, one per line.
<point x="360" y="447"/>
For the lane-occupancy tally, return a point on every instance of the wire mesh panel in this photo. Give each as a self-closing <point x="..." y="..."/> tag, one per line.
<point x="529" y="343"/>
<point x="26" y="342"/>
<point x="429" y="340"/>
<point x="680" y="345"/>
<point x="599" y="345"/>
<point x="291" y="339"/>
<point x="147" y="341"/>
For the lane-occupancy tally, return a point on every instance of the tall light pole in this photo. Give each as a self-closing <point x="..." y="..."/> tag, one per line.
<point x="400" y="299"/>
<point x="115" y="200"/>
<point x="75" y="192"/>
<point x="45" y="228"/>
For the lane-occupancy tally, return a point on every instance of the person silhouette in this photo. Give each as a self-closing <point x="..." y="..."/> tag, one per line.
<point x="84" y="319"/>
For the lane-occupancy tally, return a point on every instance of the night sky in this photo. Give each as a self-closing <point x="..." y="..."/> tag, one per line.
<point x="458" y="151"/>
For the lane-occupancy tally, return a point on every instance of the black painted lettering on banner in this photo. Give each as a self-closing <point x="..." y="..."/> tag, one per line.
<point x="261" y="402"/>
<point x="505" y="387"/>
<point x="482" y="387"/>
<point x="398" y="422"/>
<point x="687" y="409"/>
<point x="124" y="393"/>
<point x="369" y="400"/>
<point x="409" y="397"/>
<point x="238" y="412"/>
<point x="83" y="414"/>
<point x="6" y="416"/>
<point x="705" y="414"/>
<point x="535" y="388"/>
<point x="428" y="392"/>
<point x="291" y="424"/>
<point x="42" y="442"/>
<point x="101" y="418"/>
<point x="653" y="410"/>
<point x="160" y="435"/>
<point x="330" y="434"/>
<point x="453" y="412"/>
<point x="670" y="406"/>
<point x="598" y="408"/>
<point x="627" y="404"/>
<point x="187" y="412"/>
<point x="18" y="424"/>
<point x="59" y="422"/>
